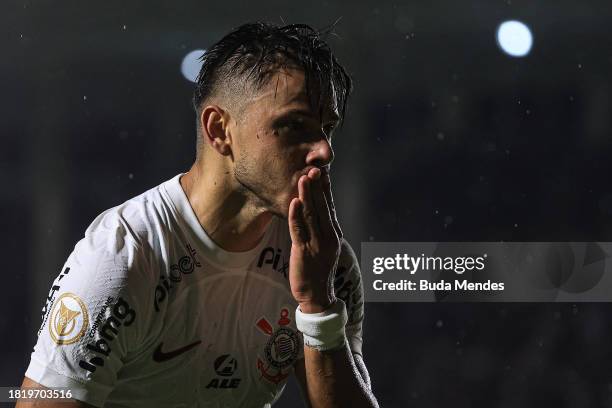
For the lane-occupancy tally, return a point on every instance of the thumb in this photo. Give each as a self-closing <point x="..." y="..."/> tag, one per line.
<point x="297" y="222"/>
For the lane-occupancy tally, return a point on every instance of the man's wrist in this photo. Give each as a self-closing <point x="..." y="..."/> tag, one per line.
<point x="316" y="307"/>
<point x="324" y="330"/>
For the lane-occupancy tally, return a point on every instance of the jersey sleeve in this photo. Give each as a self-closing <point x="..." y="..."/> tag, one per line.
<point x="94" y="316"/>
<point x="348" y="287"/>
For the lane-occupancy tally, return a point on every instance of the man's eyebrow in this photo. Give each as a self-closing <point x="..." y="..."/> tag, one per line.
<point x="306" y="112"/>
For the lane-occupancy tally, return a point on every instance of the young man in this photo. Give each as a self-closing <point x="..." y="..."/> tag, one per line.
<point x="212" y="288"/>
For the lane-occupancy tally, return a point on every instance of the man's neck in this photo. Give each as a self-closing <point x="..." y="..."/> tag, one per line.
<point x="227" y="215"/>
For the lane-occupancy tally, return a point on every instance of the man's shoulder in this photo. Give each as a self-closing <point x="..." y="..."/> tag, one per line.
<point x="137" y="220"/>
<point x="127" y="236"/>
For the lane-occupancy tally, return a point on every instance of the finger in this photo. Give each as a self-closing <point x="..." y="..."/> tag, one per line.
<point x="304" y="186"/>
<point x="297" y="224"/>
<point x="330" y="202"/>
<point x="320" y="204"/>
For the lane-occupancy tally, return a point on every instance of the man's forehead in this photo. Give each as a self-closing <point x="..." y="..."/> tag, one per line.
<point x="286" y="90"/>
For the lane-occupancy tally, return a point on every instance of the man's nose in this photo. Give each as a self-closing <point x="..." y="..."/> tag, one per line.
<point x="320" y="154"/>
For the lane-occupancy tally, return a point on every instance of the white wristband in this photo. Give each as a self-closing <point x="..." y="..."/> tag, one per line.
<point x="323" y="331"/>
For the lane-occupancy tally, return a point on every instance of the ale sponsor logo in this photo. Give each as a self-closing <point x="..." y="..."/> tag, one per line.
<point x="69" y="319"/>
<point x="225" y="366"/>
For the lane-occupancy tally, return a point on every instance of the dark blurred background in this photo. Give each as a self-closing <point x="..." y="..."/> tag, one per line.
<point x="447" y="138"/>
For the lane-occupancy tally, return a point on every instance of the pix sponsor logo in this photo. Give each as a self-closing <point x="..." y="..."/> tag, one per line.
<point x="121" y="315"/>
<point x="185" y="266"/>
<point x="225" y="366"/>
<point x="271" y="256"/>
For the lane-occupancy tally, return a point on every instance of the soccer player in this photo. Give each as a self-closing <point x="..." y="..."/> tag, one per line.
<point x="210" y="289"/>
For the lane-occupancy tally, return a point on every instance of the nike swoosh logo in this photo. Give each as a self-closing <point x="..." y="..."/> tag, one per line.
<point x="159" y="356"/>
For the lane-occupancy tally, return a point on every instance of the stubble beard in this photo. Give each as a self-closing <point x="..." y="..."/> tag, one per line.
<point x="256" y="189"/>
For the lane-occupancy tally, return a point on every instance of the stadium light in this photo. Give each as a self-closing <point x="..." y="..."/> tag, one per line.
<point x="190" y="67"/>
<point x="514" y="38"/>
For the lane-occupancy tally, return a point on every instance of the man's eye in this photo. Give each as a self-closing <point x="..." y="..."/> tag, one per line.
<point x="296" y="124"/>
<point x="293" y="125"/>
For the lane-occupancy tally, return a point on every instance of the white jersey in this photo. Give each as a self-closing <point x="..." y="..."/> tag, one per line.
<point x="149" y="312"/>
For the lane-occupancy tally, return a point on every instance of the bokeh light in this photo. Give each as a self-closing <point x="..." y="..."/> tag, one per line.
<point x="190" y="67"/>
<point x="514" y="38"/>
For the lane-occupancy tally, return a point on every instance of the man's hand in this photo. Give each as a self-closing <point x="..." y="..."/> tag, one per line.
<point x="315" y="235"/>
<point x="330" y="379"/>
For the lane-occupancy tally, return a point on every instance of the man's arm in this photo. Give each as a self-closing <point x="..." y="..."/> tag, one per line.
<point x="42" y="403"/>
<point x="364" y="381"/>
<point x="332" y="377"/>
<point x="97" y="310"/>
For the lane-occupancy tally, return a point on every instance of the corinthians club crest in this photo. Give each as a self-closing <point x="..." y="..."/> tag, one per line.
<point x="281" y="350"/>
<point x="69" y="319"/>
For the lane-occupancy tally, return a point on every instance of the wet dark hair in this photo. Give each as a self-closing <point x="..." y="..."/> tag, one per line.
<point x="252" y="53"/>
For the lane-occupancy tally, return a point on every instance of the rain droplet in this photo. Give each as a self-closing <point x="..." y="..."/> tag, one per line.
<point x="439" y="324"/>
<point x="84" y="97"/>
<point x="131" y="176"/>
<point x="124" y="27"/>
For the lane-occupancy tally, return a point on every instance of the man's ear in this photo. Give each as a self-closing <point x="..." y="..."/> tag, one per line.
<point x="214" y="123"/>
